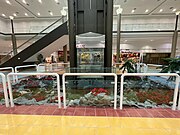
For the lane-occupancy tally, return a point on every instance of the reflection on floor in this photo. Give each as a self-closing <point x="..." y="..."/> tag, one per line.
<point x="49" y="120"/>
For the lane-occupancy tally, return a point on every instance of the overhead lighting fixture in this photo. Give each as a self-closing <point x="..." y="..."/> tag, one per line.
<point x="119" y="10"/>
<point x="24" y="1"/>
<point x="40" y="1"/>
<point x="147" y="10"/>
<point x="63" y="11"/>
<point x="133" y="10"/>
<point x="178" y="12"/>
<point x="11" y="17"/>
<point x="25" y="14"/>
<point x="15" y="14"/>
<point x="174" y="9"/>
<point x="57" y="1"/>
<point x="51" y="13"/>
<point x="38" y="14"/>
<point x="160" y="10"/>
<point x="8" y="2"/>
<point x="3" y="15"/>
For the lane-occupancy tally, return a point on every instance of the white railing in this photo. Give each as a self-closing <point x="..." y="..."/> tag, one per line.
<point x="90" y="74"/>
<point x="25" y="66"/>
<point x="5" y="89"/>
<point x="8" y="68"/>
<point x="153" y="74"/>
<point x="142" y="66"/>
<point x="30" y="74"/>
<point x="51" y="67"/>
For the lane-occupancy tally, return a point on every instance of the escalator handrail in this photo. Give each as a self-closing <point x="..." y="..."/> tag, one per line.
<point x="41" y="32"/>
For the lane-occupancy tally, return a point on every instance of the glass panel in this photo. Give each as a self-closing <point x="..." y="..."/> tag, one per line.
<point x="90" y="70"/>
<point x="34" y="90"/>
<point x="148" y="92"/>
<point x="83" y="91"/>
<point x="2" y="100"/>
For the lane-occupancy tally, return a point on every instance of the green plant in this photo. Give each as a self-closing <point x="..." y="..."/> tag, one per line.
<point x="172" y="67"/>
<point x="40" y="58"/>
<point x="128" y="66"/>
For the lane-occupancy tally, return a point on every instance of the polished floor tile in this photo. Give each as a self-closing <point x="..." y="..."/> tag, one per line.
<point x="11" y="124"/>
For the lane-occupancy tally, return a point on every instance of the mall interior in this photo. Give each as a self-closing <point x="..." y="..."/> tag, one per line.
<point x="94" y="67"/>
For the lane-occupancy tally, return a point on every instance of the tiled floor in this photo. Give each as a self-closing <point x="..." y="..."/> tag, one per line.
<point x="49" y="120"/>
<point x="90" y="111"/>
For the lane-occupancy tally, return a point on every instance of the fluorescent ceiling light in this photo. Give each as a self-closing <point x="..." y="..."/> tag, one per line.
<point x="133" y="11"/>
<point x="40" y="1"/>
<point x="160" y="10"/>
<point x="14" y="14"/>
<point x="178" y="12"/>
<point x="24" y="1"/>
<point x="174" y="10"/>
<point x="11" y="17"/>
<point x="8" y="2"/>
<point x="38" y="14"/>
<point x="51" y="13"/>
<point x="25" y="14"/>
<point x="147" y="10"/>
<point x="119" y="11"/>
<point x="57" y="1"/>
<point x="3" y="15"/>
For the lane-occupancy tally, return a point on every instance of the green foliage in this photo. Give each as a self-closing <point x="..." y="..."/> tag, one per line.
<point x="40" y="58"/>
<point x="128" y="66"/>
<point x="172" y="67"/>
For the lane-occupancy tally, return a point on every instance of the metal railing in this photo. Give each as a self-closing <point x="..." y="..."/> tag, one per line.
<point x="153" y="74"/>
<point x="8" y="68"/>
<point x="5" y="89"/>
<point x="30" y="74"/>
<point x="25" y="66"/>
<point x="90" y="74"/>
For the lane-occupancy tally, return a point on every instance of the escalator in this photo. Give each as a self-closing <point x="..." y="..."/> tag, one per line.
<point x="36" y="43"/>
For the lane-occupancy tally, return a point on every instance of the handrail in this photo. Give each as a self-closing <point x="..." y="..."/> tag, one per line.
<point x="153" y="74"/>
<point x="34" y="36"/>
<point x="90" y="74"/>
<point x="25" y="66"/>
<point x="12" y="71"/>
<point x="30" y="74"/>
<point x="5" y="89"/>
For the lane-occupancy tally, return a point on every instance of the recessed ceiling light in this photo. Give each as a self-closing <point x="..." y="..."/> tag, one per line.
<point x="25" y="14"/>
<point x="174" y="9"/>
<point x="24" y="1"/>
<point x="40" y="1"/>
<point x="57" y="1"/>
<point x="51" y="13"/>
<point x="160" y="10"/>
<point x="147" y="10"/>
<point x="14" y="14"/>
<point x="38" y="14"/>
<point x="3" y="15"/>
<point x="8" y="2"/>
<point x="133" y="10"/>
<point x="151" y="40"/>
<point x="11" y="17"/>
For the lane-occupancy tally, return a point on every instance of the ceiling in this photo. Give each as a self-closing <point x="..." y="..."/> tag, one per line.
<point x="33" y="7"/>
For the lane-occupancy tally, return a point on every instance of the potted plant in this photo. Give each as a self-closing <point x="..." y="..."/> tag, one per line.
<point x="172" y="67"/>
<point x="128" y="66"/>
